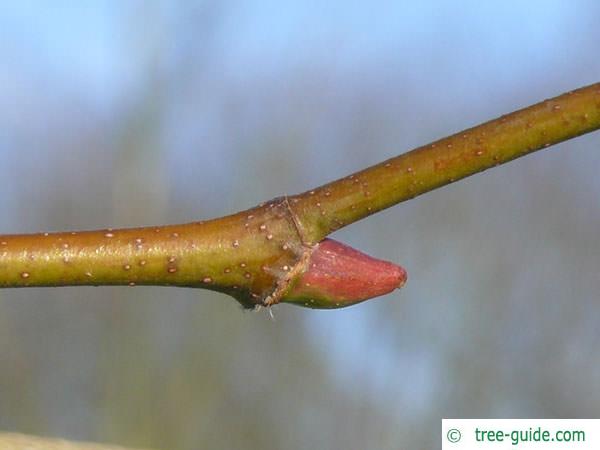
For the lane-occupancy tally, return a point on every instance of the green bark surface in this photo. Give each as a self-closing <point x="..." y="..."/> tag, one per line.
<point x="256" y="255"/>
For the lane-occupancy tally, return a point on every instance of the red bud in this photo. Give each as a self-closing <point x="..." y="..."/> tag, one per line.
<point x="338" y="275"/>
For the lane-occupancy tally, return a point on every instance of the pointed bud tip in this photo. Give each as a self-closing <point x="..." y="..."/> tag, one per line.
<point x="338" y="275"/>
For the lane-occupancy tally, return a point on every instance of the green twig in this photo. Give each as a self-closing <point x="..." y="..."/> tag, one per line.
<point x="337" y="204"/>
<point x="271" y="253"/>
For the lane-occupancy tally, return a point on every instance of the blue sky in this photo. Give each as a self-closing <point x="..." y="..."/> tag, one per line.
<point x="88" y="45"/>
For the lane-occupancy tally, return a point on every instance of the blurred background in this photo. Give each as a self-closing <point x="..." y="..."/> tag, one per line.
<point x="117" y="114"/>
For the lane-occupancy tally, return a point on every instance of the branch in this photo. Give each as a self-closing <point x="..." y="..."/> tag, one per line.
<point x="361" y="194"/>
<point x="275" y="252"/>
<point x="14" y="441"/>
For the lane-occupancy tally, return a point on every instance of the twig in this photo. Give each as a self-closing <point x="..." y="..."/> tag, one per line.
<point x="272" y="253"/>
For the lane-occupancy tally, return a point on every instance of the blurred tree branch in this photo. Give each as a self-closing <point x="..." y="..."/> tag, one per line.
<point x="14" y="441"/>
